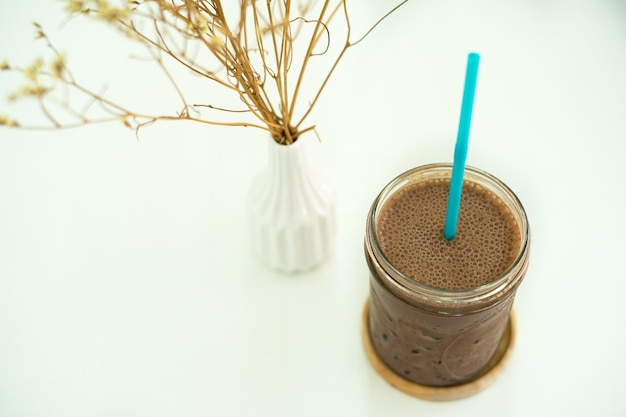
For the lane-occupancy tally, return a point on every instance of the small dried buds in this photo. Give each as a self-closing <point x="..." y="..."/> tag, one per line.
<point x="7" y="121"/>
<point x="102" y="9"/>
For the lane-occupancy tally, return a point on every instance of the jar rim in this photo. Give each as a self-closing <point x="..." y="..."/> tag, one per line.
<point x="441" y="295"/>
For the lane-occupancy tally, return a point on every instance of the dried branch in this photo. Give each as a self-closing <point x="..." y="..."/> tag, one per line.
<point x="260" y="51"/>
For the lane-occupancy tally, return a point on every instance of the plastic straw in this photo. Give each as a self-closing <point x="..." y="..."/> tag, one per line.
<point x="460" y="150"/>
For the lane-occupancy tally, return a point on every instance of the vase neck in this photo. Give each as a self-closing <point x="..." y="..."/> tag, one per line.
<point x="286" y="158"/>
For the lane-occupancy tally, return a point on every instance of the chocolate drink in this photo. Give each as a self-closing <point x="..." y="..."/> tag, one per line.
<point x="439" y="308"/>
<point x="410" y="234"/>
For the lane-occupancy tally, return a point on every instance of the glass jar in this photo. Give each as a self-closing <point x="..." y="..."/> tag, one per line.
<point x="434" y="336"/>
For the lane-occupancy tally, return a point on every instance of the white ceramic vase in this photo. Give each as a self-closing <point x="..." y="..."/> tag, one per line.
<point x="292" y="212"/>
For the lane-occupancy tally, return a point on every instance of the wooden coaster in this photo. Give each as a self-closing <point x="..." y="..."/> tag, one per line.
<point x="455" y="392"/>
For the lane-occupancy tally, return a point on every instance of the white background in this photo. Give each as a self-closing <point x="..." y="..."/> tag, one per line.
<point x="127" y="286"/>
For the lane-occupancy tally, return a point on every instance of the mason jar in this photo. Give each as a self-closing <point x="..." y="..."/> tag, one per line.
<point x="428" y="334"/>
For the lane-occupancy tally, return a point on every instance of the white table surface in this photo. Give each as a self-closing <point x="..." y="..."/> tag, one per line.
<point x="127" y="286"/>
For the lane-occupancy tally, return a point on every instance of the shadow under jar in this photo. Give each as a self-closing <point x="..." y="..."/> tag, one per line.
<point x="438" y="309"/>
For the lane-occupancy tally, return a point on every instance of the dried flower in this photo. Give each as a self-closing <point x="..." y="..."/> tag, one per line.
<point x="24" y="91"/>
<point x="57" y="66"/>
<point x="110" y="13"/>
<point x="260" y="51"/>
<point x="33" y="70"/>
<point x="126" y="122"/>
<point x="39" y="34"/>
<point x="75" y="6"/>
<point x="7" y="121"/>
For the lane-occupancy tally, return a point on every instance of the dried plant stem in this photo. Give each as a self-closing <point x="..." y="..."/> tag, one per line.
<point x="257" y="50"/>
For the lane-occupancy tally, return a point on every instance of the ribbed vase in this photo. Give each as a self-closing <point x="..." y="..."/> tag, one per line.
<point x="292" y="213"/>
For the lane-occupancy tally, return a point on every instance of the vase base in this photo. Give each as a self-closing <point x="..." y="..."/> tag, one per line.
<point x="455" y="392"/>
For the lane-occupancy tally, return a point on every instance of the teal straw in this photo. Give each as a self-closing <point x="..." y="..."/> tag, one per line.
<point x="460" y="150"/>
